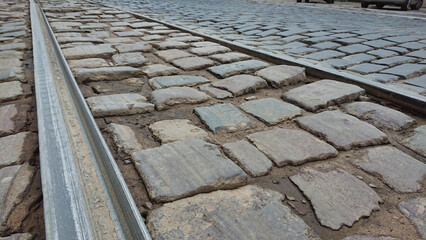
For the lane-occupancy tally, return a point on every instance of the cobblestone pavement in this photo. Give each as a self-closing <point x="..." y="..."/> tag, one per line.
<point x="388" y="48"/>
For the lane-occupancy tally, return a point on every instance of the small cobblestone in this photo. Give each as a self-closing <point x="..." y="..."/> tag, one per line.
<point x="227" y="70"/>
<point x="282" y="75"/>
<point x="129" y="59"/>
<point x="177" y="81"/>
<point x="241" y="84"/>
<point x="119" y="104"/>
<point x="176" y="130"/>
<point x="172" y="54"/>
<point x="164" y="98"/>
<point x="156" y="70"/>
<point x="193" y="63"/>
<point x="124" y="138"/>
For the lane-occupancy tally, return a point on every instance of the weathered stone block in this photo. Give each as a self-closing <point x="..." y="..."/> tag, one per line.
<point x="119" y="104"/>
<point x="176" y="130"/>
<point x="248" y="66"/>
<point x="282" y="75"/>
<point x="164" y="98"/>
<point x="177" y="81"/>
<point x="89" y="51"/>
<point x="106" y="73"/>
<point x="241" y="84"/>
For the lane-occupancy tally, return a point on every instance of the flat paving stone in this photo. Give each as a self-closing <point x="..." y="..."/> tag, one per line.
<point x="368" y="237"/>
<point x="10" y="63"/>
<point x="185" y="168"/>
<point x="11" y="54"/>
<point x="366" y="68"/>
<point x="156" y="70"/>
<point x="246" y="213"/>
<point x="129" y="59"/>
<point x="359" y="58"/>
<point x="284" y="146"/>
<point x="241" y="84"/>
<point x="282" y="75"/>
<point x="79" y="39"/>
<point x="13" y="46"/>
<point x="392" y="61"/>
<point x="407" y="70"/>
<point x="383" y="78"/>
<point x="11" y="74"/>
<point x="324" y="55"/>
<point x="164" y="98"/>
<point x="339" y="63"/>
<point x="343" y="131"/>
<point x="154" y="37"/>
<point x="416" y="141"/>
<point x="230" y="57"/>
<point x="418" y="81"/>
<point x="398" y="170"/>
<point x="129" y="34"/>
<point x="223" y="117"/>
<point x="415" y="211"/>
<point x="177" y="81"/>
<point x="119" y="104"/>
<point x="334" y="205"/>
<point x="7" y="115"/>
<point x="13" y="150"/>
<point x="193" y="63"/>
<point x="209" y="50"/>
<point x="18" y="236"/>
<point x="171" y="45"/>
<point x="215" y="92"/>
<point x="322" y="94"/>
<point x="117" y="41"/>
<point x="383" y="53"/>
<point x="10" y="91"/>
<point x="247" y="66"/>
<point x="355" y="48"/>
<point x="172" y="54"/>
<point x="124" y="138"/>
<point x="270" y="110"/>
<point x="379" y="43"/>
<point x="134" y="47"/>
<point x="89" y="51"/>
<point x="88" y="63"/>
<point x="413" y="45"/>
<point x="176" y="130"/>
<point x="186" y="39"/>
<point x="380" y="116"/>
<point x="106" y="73"/>
<point x="418" y="54"/>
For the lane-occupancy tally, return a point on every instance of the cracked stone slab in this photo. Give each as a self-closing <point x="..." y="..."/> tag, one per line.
<point x="129" y="59"/>
<point x="398" y="170"/>
<point x="334" y="205"/>
<point x="164" y="98"/>
<point x="177" y="81"/>
<point x="223" y="117"/>
<point x="229" y="57"/>
<point x="209" y="50"/>
<point x="248" y="157"/>
<point x="215" y="92"/>
<point x="13" y="150"/>
<point x="176" y="130"/>
<point x="156" y="70"/>
<point x="119" y="105"/>
<point x="241" y="84"/>
<point x="124" y="138"/>
<point x="282" y="75"/>
<point x="246" y="213"/>
<point x="88" y="63"/>
<point x="415" y="211"/>
<point x="247" y="66"/>
<point x="322" y="94"/>
<point x="134" y="47"/>
<point x="270" y="110"/>
<point x="10" y="91"/>
<point x="417" y="140"/>
<point x="291" y="147"/>
<point x="89" y="51"/>
<point x="106" y="73"/>
<point x="193" y="63"/>
<point x="172" y="54"/>
<point x="184" y="168"/>
<point x="343" y="131"/>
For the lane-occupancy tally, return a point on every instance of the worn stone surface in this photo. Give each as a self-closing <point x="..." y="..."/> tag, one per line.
<point x="323" y="93"/>
<point x="7" y="114"/>
<point x="418" y="81"/>
<point x="13" y="149"/>
<point x="407" y="70"/>
<point x="248" y="158"/>
<point x="119" y="104"/>
<point x="241" y="84"/>
<point x="223" y="117"/>
<point x="334" y="205"/>
<point x="380" y="116"/>
<point x="177" y="81"/>
<point x="176" y="130"/>
<point x="383" y="78"/>
<point x="156" y="70"/>
<point x="247" y="66"/>
<point x="246" y="213"/>
<point x="10" y="63"/>
<point x="18" y="236"/>
<point x="10" y="91"/>
<point x="129" y="59"/>
<point x="417" y="140"/>
<point x="171" y="44"/>
<point x="341" y="130"/>
<point x="366" y="68"/>
<point x="368" y="237"/>
<point x="215" y="92"/>
<point x="79" y="39"/>
<point x="392" y="61"/>
<point x="134" y="47"/>
<point x="229" y="57"/>
<point x="164" y="98"/>
<point x="415" y="211"/>
<point x="106" y="73"/>
<point x="117" y="41"/>
<point x="89" y="51"/>
<point x="88" y="63"/>
<point x="209" y="50"/>
<point x="124" y="138"/>
<point x="184" y="168"/>
<point x="282" y="146"/>
<point x="282" y="75"/>
<point x="13" y="46"/>
<point x="193" y="63"/>
<point x="11" y="74"/>
<point x="270" y="110"/>
<point x="398" y="170"/>
<point x="172" y="54"/>
<point x="323" y="55"/>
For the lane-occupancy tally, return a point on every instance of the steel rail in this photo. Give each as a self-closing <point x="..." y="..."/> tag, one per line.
<point x="84" y="193"/>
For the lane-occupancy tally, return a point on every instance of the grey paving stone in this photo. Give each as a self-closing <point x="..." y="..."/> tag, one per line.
<point x="326" y="45"/>
<point x="416" y="141"/>
<point x="341" y="130"/>
<point x="418" y="81"/>
<point x="198" y="166"/>
<point x="124" y="138"/>
<point x="106" y="73"/>
<point x="399" y="50"/>
<point x="144" y="24"/>
<point x="291" y="45"/>
<point x="193" y="63"/>
<point x="13" y="46"/>
<point x="334" y="205"/>
<point x="10" y="63"/>
<point x="248" y="66"/>
<point x="398" y="170"/>
<point x="324" y="55"/>
<point x="209" y="50"/>
<point x="170" y="45"/>
<point x="223" y="117"/>
<point x="11" y="54"/>
<point x="383" y="53"/>
<point x="155" y="37"/>
<point x="186" y="39"/>
<point x="355" y="48"/>
<point x="156" y="70"/>
<point x="88" y="63"/>
<point x="383" y="78"/>
<point x="339" y="63"/>
<point x="79" y="39"/>
<point x="270" y="110"/>
<point x="129" y="34"/>
<point x="13" y="151"/>
<point x="413" y="45"/>
<point x="89" y="51"/>
<point x="203" y="44"/>
<point x="392" y="61"/>
<point x="301" y="50"/>
<point x="407" y="70"/>
<point x="402" y="39"/>
<point x="134" y="47"/>
<point x="229" y="57"/>
<point x="119" y="104"/>
<point x="282" y="75"/>
<point x="99" y="34"/>
<point x="320" y="39"/>
<point x="129" y="59"/>
<point x="7" y="115"/>
<point x="177" y="81"/>
<point x="215" y="92"/>
<point x="414" y="210"/>
<point x="380" y="116"/>
<point x="322" y="93"/>
<point x="261" y="214"/>
<point x="418" y="54"/>
<point x="347" y="41"/>
<point x="241" y="84"/>
<point x="11" y="74"/>
<point x="121" y="40"/>
<point x="359" y="58"/>
<point x="10" y="91"/>
<point x="283" y="146"/>
<point x="18" y="236"/>
<point x="366" y="68"/>
<point x="172" y="54"/>
<point x="164" y="98"/>
<point x="176" y="130"/>
<point x="368" y="237"/>
<point x="379" y="43"/>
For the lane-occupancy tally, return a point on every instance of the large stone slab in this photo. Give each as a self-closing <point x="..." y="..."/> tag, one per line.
<point x="223" y="117"/>
<point x="89" y="51"/>
<point x="417" y="140"/>
<point x="270" y="110"/>
<point x="341" y="130"/>
<point x="171" y="45"/>
<point x="88" y="63"/>
<point x="134" y="47"/>
<point x="334" y="205"/>
<point x="282" y="75"/>
<point x="193" y="63"/>
<point x="247" y="66"/>
<point x="172" y="54"/>
<point x="156" y="70"/>
<point x="184" y="168"/>
<point x="241" y="84"/>
<point x="124" y="138"/>
<point x="229" y="57"/>
<point x="119" y="104"/>
<point x="407" y="70"/>
<point x="10" y="91"/>
<point x="129" y="59"/>
<point x="16" y="149"/>
<point x="62" y="40"/>
<point x="291" y="147"/>
<point x="398" y="170"/>
<point x="209" y="50"/>
<point x="380" y="116"/>
<point x="215" y="92"/>
<point x="322" y="93"/>
<point x="246" y="213"/>
<point x="415" y="211"/>
<point x="176" y="130"/>
<point x="176" y="81"/>
<point x="11" y="74"/>
<point x="164" y="98"/>
<point x="248" y="158"/>
<point x="106" y="73"/>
